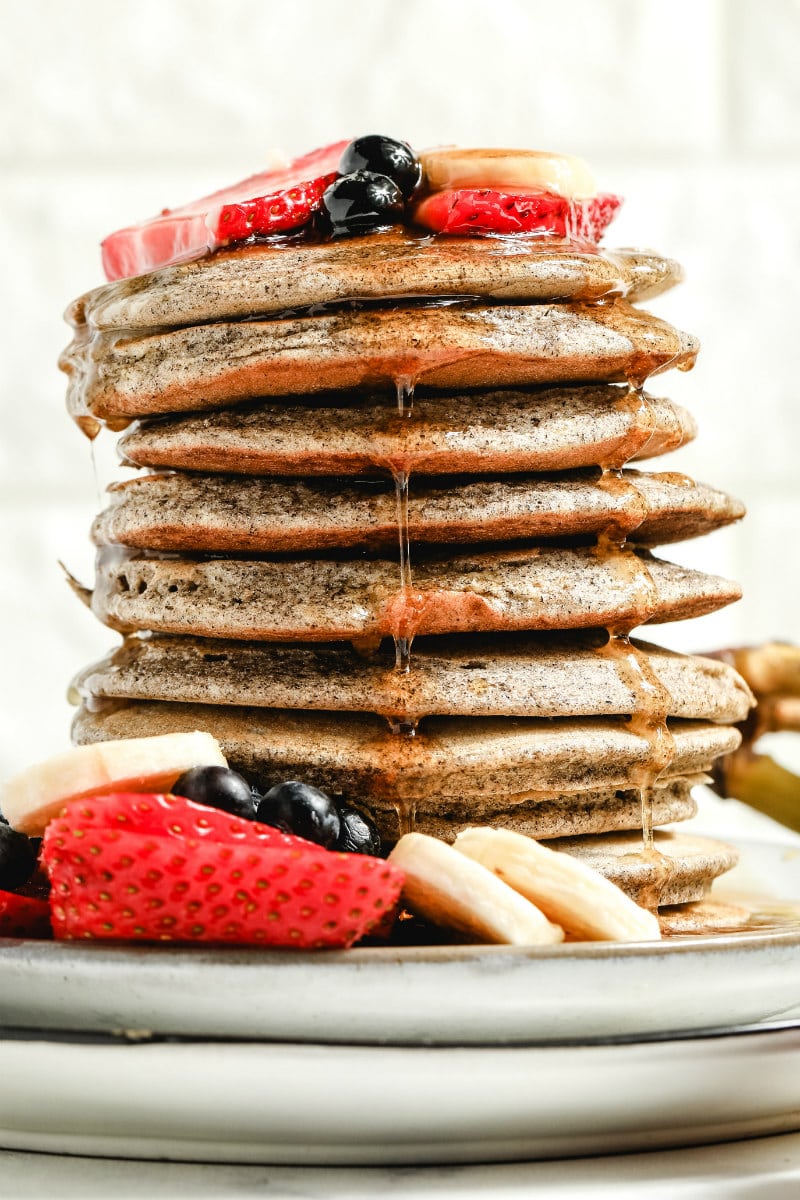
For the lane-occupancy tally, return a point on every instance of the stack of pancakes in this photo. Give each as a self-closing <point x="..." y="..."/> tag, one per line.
<point x="386" y="541"/>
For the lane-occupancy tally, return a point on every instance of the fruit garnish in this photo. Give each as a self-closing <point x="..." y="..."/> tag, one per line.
<point x="453" y="167"/>
<point x="586" y="904"/>
<point x="302" y="810"/>
<point x="38" y="794"/>
<point x="17" y="858"/>
<point x="275" y="201"/>
<point x="449" y="889"/>
<point x="24" y="917"/>
<point x="146" y="868"/>
<point x="362" y="202"/>
<point x="358" y="835"/>
<point x="383" y="156"/>
<point x="217" y="787"/>
<point x="488" y="211"/>
<point x="159" y="815"/>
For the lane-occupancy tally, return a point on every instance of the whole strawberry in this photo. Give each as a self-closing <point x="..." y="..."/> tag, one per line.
<point x="160" y="868"/>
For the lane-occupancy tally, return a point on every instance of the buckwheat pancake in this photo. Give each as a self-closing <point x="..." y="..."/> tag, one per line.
<point x="267" y="279"/>
<point x="703" y="917"/>
<point x="538" y="430"/>
<point x="449" y="758"/>
<point x="182" y="511"/>
<point x="361" y="599"/>
<point x="535" y="675"/>
<point x="683" y="872"/>
<point x="555" y="815"/>
<point x="117" y="376"/>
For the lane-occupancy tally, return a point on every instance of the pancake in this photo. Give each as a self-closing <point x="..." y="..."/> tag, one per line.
<point x="683" y="872"/>
<point x="568" y="814"/>
<point x="209" y="513"/>
<point x="362" y="599"/>
<point x="544" y="430"/>
<point x="118" y="376"/>
<point x="703" y="917"/>
<point x="267" y="279"/>
<point x="535" y="675"/>
<point x="449" y="758"/>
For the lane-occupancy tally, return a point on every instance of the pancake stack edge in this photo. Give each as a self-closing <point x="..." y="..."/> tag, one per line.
<point x="392" y="547"/>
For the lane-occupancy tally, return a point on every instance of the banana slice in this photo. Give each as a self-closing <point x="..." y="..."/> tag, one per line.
<point x="530" y="170"/>
<point x="451" y="890"/>
<point x="150" y="764"/>
<point x="586" y="904"/>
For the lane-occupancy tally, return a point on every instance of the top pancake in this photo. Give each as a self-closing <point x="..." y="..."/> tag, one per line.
<point x="268" y="279"/>
<point x="116" y="377"/>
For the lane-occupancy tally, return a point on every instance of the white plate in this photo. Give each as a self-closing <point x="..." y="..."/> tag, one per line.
<point x="439" y="995"/>
<point x="305" y="1104"/>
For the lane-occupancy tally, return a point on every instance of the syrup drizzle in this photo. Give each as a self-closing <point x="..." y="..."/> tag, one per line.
<point x="652" y="701"/>
<point x="95" y="472"/>
<point x="403" y="636"/>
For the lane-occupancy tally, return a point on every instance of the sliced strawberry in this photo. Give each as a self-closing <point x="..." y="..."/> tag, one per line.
<point x="24" y="917"/>
<point x="158" y="815"/>
<point x="248" y="886"/>
<point x="485" y="211"/>
<point x="272" y="202"/>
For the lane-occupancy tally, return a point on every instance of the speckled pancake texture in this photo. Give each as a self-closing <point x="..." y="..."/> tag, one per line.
<point x="319" y="599"/>
<point x="536" y="675"/>
<point x="452" y="757"/>
<point x="385" y="538"/>
<point x="544" y="429"/>
<point x="263" y="280"/>
<point x="123" y="375"/>
<point x="182" y="511"/>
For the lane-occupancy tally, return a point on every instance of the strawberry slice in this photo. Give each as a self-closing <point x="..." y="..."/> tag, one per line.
<point x="159" y="815"/>
<point x="485" y="211"/>
<point x="272" y="202"/>
<point x="24" y="917"/>
<point x="170" y="877"/>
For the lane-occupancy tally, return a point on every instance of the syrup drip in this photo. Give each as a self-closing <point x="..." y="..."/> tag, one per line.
<point x="403" y="637"/>
<point x="649" y="721"/>
<point x="406" y="728"/>
<point x="643" y="425"/>
<point x="652" y="701"/>
<point x="95" y="473"/>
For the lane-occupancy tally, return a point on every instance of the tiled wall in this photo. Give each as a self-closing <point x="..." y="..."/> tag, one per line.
<point x="110" y="111"/>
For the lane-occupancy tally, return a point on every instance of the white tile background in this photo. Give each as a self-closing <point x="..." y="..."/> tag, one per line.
<point x="108" y="112"/>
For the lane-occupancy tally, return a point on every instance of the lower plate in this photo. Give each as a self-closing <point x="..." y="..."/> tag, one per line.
<point x="307" y="1104"/>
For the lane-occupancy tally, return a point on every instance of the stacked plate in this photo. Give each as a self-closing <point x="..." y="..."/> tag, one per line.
<point x="385" y="539"/>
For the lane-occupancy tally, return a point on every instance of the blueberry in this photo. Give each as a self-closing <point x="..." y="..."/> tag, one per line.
<point x="362" y="201"/>
<point x="303" y="810"/>
<point x="383" y="156"/>
<point x="218" y="787"/>
<point x="17" y="858"/>
<point x="359" y="834"/>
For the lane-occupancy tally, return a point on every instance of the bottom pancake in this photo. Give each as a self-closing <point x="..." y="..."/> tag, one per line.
<point x="681" y="871"/>
<point x="703" y="917"/>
